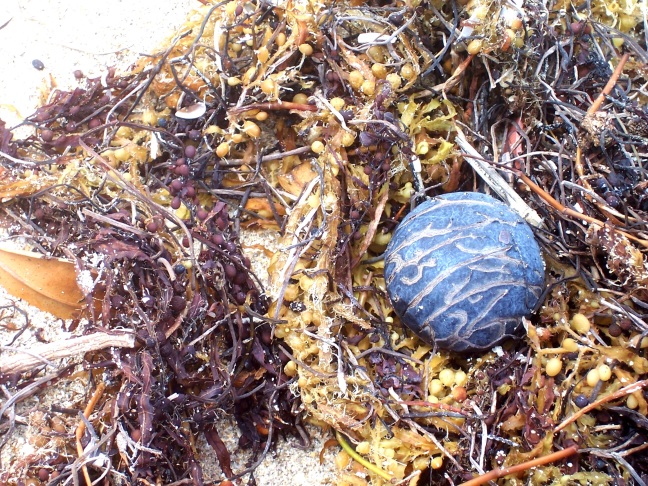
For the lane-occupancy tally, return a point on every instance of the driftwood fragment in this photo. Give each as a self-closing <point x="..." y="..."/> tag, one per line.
<point x="24" y="359"/>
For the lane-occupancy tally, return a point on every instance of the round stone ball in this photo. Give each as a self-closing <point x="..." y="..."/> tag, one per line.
<point x="461" y="271"/>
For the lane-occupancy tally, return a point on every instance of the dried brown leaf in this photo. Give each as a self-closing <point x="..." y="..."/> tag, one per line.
<point x="223" y="455"/>
<point x="295" y="181"/>
<point x="261" y="206"/>
<point x="10" y="187"/>
<point x="47" y="283"/>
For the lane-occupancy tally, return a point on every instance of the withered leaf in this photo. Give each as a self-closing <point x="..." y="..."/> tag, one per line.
<point x="11" y="187"/>
<point x="117" y="250"/>
<point x="295" y="181"/>
<point x="262" y="208"/>
<point x="47" y="283"/>
<point x="6" y="137"/>
<point x="223" y="455"/>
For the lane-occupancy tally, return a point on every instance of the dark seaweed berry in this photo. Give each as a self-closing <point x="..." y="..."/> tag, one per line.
<point x="182" y="170"/>
<point x="178" y="303"/>
<point x="190" y="151"/>
<point x="581" y="401"/>
<point x="230" y="271"/>
<point x="47" y="135"/>
<point x="615" y="330"/>
<point x="201" y="214"/>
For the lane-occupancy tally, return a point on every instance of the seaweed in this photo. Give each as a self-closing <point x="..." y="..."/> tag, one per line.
<point x="326" y="123"/>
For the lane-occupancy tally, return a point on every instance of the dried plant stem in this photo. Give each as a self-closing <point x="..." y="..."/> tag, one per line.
<point x="496" y="181"/>
<point x="610" y="84"/>
<point x="275" y="106"/>
<point x="578" y="163"/>
<point x="27" y="359"/>
<point x="81" y="427"/>
<point x="456" y="75"/>
<point x="570" y="212"/>
<point x="622" y="392"/>
<point x="359" y="459"/>
<point x="539" y="461"/>
<point x="373" y="227"/>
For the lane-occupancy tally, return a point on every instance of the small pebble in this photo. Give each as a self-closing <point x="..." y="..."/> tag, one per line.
<point x="38" y="64"/>
<point x="443" y="261"/>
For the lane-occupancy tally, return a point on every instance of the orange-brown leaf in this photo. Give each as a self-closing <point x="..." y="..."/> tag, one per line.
<point x="47" y="283"/>
<point x="261" y="206"/>
<point x="296" y="179"/>
<point x="10" y="187"/>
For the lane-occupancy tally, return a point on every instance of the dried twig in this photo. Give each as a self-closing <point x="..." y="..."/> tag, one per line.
<point x="500" y="473"/>
<point x="578" y="163"/>
<point x="570" y="212"/>
<point x="82" y="426"/>
<point x="626" y="390"/>
<point x="27" y="359"/>
<point x="496" y="181"/>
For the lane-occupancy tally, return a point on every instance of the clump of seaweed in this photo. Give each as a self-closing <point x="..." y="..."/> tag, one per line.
<point x="325" y="122"/>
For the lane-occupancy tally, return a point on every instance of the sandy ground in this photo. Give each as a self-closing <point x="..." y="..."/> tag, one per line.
<point x="66" y="35"/>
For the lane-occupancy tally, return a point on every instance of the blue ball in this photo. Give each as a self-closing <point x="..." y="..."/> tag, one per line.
<point x="462" y="270"/>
